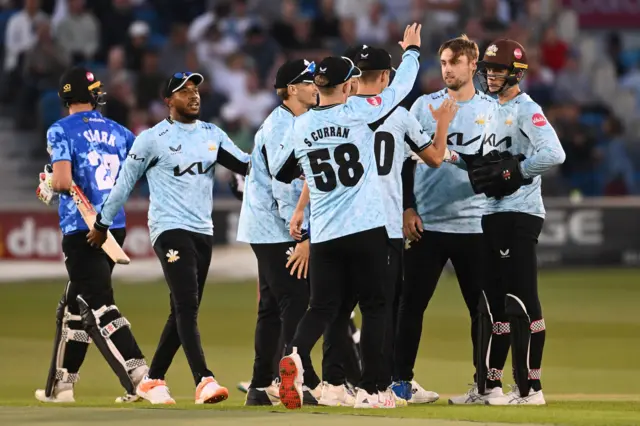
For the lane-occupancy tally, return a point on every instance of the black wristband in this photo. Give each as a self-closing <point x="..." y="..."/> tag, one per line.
<point x="99" y="226"/>
<point x="413" y="47"/>
<point x="305" y="236"/>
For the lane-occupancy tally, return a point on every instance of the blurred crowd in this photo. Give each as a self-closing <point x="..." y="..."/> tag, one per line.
<point x="589" y="85"/>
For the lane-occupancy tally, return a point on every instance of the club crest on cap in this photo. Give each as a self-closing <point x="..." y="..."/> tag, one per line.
<point x="323" y="70"/>
<point x="90" y="76"/>
<point x="492" y="50"/>
<point x="66" y="88"/>
<point x="517" y="53"/>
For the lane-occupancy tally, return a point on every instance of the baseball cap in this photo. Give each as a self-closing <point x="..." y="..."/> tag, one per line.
<point x="78" y="84"/>
<point x="504" y="53"/>
<point x="294" y="72"/>
<point x="373" y="59"/>
<point x="179" y="79"/>
<point x="352" y="51"/>
<point x="337" y="70"/>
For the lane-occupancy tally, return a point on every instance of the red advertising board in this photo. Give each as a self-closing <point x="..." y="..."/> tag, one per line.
<point x="606" y="13"/>
<point x="36" y="236"/>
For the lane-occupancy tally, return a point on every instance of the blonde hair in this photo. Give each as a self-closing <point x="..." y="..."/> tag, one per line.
<point x="283" y="93"/>
<point x="371" y="76"/>
<point x="461" y="46"/>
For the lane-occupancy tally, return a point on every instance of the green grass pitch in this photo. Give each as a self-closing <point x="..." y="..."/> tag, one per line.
<point x="591" y="371"/>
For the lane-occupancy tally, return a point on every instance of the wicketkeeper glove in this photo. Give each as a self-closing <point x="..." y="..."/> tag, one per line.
<point x="236" y="184"/>
<point x="499" y="176"/>
<point x="45" y="191"/>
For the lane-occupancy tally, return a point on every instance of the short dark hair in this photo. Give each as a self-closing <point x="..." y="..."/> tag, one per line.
<point x="371" y="76"/>
<point x="461" y="46"/>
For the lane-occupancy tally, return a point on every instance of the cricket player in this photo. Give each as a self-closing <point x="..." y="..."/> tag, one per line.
<point x="395" y="136"/>
<point x="178" y="157"/>
<point x="267" y="206"/>
<point x="334" y="146"/>
<point x="518" y="146"/>
<point x="87" y="149"/>
<point x="446" y="225"/>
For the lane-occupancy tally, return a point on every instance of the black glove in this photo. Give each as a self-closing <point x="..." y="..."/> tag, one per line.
<point x="479" y="162"/>
<point x="499" y="177"/>
<point x="236" y="184"/>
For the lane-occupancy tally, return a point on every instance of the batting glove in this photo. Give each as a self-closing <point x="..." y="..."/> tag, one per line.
<point x="45" y="192"/>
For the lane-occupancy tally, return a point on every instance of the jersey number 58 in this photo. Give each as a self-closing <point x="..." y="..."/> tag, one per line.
<point x="350" y="170"/>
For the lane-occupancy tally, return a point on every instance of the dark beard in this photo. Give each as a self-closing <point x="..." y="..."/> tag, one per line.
<point x="188" y="116"/>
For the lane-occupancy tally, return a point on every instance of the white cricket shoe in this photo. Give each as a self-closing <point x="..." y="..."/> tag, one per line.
<point x="336" y="396"/>
<point x="62" y="393"/>
<point x="210" y="392"/>
<point x="291" y="381"/>
<point x="367" y="400"/>
<point x="421" y="396"/>
<point x="514" y="398"/>
<point x="273" y="391"/>
<point x="137" y="374"/>
<point x="474" y="397"/>
<point x="388" y="399"/>
<point x="154" y="390"/>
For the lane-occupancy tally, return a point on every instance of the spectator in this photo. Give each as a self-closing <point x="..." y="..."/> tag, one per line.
<point x="198" y="28"/>
<point x="347" y="36"/>
<point x="616" y="166"/>
<point x="20" y="34"/>
<point x="283" y="30"/>
<point x="137" y="44"/>
<point x="573" y="83"/>
<point x="614" y="51"/>
<point x="237" y="24"/>
<point x="44" y="63"/>
<point x="231" y="79"/>
<point x="256" y="103"/>
<point x="150" y="81"/>
<point x="327" y="23"/>
<point x="79" y="32"/>
<point x="116" y="67"/>
<point x="119" y="101"/>
<point x="174" y="54"/>
<point x="211" y="101"/>
<point x="118" y="17"/>
<point x="213" y="50"/>
<point x="236" y="128"/>
<point x="373" y="28"/>
<point x="492" y="25"/>
<point x="263" y="50"/>
<point x="553" y="50"/>
<point x="538" y="82"/>
<point x="138" y="121"/>
<point x="304" y="39"/>
<point x="352" y="9"/>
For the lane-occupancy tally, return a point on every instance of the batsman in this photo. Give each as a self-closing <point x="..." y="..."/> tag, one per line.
<point x="519" y="145"/>
<point x="86" y="150"/>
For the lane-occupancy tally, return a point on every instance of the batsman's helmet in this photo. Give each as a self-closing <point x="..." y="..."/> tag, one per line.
<point x="79" y="85"/>
<point x="503" y="54"/>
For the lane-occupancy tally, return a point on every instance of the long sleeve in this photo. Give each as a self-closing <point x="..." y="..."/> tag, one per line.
<point x="543" y="137"/>
<point x="232" y="157"/>
<point x="374" y="108"/>
<point x="140" y="159"/>
<point x="417" y="137"/>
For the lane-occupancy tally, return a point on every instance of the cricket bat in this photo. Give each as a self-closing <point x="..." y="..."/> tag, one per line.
<point x="88" y="213"/>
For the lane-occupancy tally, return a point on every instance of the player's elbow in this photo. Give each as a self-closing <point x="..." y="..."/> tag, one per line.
<point x="561" y="156"/>
<point x="431" y="159"/>
<point x="61" y="184"/>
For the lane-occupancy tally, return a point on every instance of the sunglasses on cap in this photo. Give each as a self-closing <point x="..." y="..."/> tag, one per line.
<point x="310" y="69"/>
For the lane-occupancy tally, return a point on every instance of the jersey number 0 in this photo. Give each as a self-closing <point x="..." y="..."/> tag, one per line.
<point x="350" y="170"/>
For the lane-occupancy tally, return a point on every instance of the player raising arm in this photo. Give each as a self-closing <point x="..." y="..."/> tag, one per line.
<point x="334" y="146"/>
<point x="519" y="145"/>
<point x="266" y="209"/>
<point x="178" y="157"/>
<point x="86" y="152"/>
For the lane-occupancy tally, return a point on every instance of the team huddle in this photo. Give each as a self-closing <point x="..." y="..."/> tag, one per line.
<point x="348" y="200"/>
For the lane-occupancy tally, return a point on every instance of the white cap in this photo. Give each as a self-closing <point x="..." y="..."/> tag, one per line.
<point x="138" y="28"/>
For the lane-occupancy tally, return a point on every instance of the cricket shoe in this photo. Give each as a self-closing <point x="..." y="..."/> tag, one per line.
<point x="413" y="393"/>
<point x="137" y="374"/>
<point x="210" y="392"/>
<point x="243" y="386"/>
<point x="311" y="396"/>
<point x="389" y="399"/>
<point x="474" y="397"/>
<point x="62" y="393"/>
<point x="154" y="390"/>
<point x="291" y="381"/>
<point x="514" y="398"/>
<point x="274" y="391"/>
<point x="336" y="396"/>
<point x="258" y="397"/>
